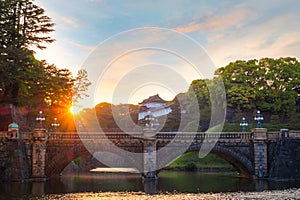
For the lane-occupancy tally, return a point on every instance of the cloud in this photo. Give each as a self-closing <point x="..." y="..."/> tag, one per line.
<point x="275" y="36"/>
<point x="169" y="59"/>
<point x="228" y="30"/>
<point x="247" y="31"/>
<point x="81" y="46"/>
<point x="233" y="18"/>
<point x="70" y="21"/>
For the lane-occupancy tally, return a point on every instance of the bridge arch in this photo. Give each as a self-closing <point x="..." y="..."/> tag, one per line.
<point x="57" y="160"/>
<point x="237" y="159"/>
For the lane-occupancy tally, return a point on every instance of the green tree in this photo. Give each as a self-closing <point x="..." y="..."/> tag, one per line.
<point x="269" y="84"/>
<point x="18" y="71"/>
<point x="239" y="78"/>
<point x="22" y="25"/>
<point x="81" y="84"/>
<point x="58" y="85"/>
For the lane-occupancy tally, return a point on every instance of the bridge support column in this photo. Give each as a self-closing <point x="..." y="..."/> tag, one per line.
<point x="39" y="155"/>
<point x="149" y="152"/>
<point x="260" y="152"/>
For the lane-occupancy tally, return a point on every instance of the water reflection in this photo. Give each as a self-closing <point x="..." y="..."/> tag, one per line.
<point x="38" y="188"/>
<point x="150" y="186"/>
<point x="93" y="182"/>
<point x="168" y="182"/>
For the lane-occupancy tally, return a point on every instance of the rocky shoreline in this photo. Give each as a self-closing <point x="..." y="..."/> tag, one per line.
<point x="267" y="195"/>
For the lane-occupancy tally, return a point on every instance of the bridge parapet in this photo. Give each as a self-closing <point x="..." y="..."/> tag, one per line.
<point x="92" y="135"/>
<point x="159" y="135"/>
<point x="200" y="137"/>
<point x="273" y="135"/>
<point x="294" y="134"/>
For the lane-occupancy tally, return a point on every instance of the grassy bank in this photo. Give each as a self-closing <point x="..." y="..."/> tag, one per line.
<point x="191" y="162"/>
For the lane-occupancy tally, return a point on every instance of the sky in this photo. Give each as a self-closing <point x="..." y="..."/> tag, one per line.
<point x="133" y="49"/>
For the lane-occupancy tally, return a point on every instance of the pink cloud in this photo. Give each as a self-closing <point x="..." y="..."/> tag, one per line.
<point x="217" y="23"/>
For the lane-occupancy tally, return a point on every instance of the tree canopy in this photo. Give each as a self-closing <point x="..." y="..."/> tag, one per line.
<point x="23" y="24"/>
<point x="24" y="80"/>
<point x="268" y="84"/>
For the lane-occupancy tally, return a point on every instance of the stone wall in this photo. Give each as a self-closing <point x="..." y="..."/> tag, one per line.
<point x="14" y="164"/>
<point x="284" y="159"/>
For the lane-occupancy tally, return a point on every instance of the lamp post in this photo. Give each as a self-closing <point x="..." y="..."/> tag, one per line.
<point x="40" y="118"/>
<point x="243" y="124"/>
<point x="55" y="124"/>
<point x="258" y="117"/>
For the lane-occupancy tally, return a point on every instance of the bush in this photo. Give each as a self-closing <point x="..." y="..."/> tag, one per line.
<point x="190" y="167"/>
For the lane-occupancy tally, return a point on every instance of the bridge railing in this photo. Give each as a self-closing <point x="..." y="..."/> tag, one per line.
<point x="159" y="135"/>
<point x="273" y="135"/>
<point x="203" y="135"/>
<point x="92" y="135"/>
<point x="294" y="134"/>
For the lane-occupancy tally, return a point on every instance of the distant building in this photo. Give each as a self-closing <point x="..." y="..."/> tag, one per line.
<point x="154" y="106"/>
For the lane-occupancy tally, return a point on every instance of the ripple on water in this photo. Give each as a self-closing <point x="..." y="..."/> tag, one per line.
<point x="268" y="195"/>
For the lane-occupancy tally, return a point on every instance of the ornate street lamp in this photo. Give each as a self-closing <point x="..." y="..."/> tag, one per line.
<point x="258" y="117"/>
<point x="55" y="124"/>
<point x="40" y="118"/>
<point x="243" y="124"/>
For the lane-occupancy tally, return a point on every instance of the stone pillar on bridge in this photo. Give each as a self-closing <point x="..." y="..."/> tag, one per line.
<point x="260" y="152"/>
<point x="39" y="139"/>
<point x="149" y="152"/>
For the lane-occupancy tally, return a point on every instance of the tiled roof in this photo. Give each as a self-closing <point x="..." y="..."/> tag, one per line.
<point x="153" y="99"/>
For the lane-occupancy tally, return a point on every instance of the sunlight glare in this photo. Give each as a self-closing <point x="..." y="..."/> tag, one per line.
<point x="75" y="109"/>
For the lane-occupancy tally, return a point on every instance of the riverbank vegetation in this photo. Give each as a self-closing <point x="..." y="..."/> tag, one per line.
<point x="191" y="162"/>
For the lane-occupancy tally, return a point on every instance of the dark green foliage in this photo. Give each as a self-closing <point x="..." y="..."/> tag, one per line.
<point x="190" y="166"/>
<point x="116" y="117"/>
<point x="270" y="85"/>
<point x="25" y="81"/>
<point x="22" y="25"/>
<point x="191" y="161"/>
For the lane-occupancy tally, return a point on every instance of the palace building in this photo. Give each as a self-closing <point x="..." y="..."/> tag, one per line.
<point x="154" y="106"/>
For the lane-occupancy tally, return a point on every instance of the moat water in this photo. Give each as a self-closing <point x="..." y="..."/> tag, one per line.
<point x="168" y="182"/>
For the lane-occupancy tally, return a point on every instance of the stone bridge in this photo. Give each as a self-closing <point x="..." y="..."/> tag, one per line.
<point x="62" y="148"/>
<point x="257" y="154"/>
